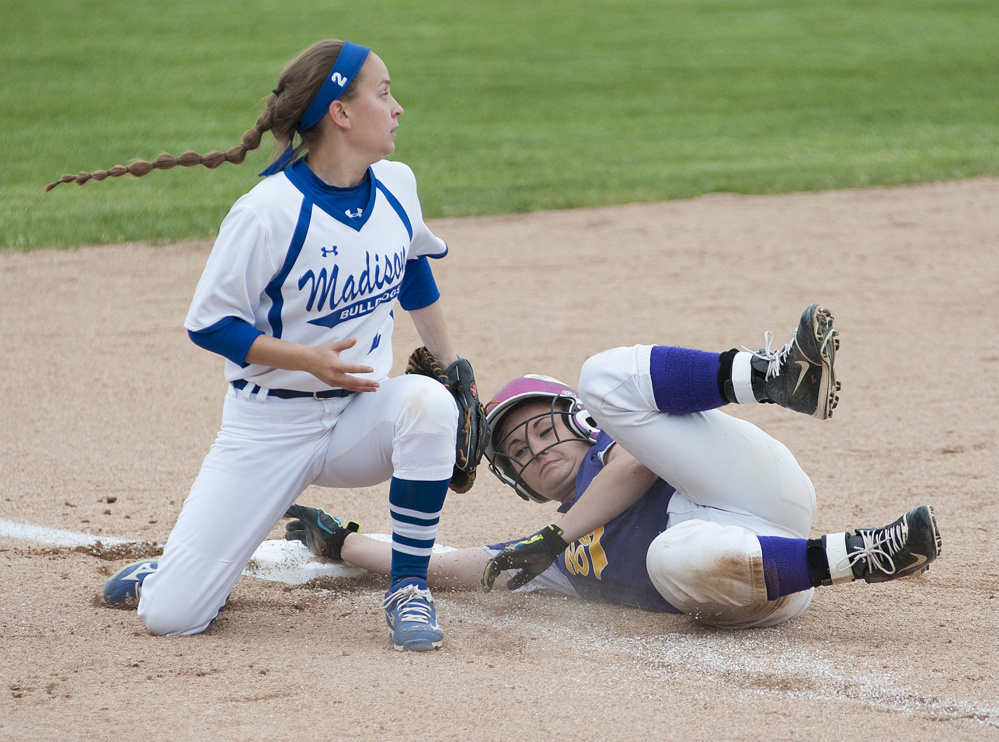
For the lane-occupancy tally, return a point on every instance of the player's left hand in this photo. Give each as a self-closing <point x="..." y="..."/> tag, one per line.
<point x="318" y="530"/>
<point x="473" y="429"/>
<point x="532" y="556"/>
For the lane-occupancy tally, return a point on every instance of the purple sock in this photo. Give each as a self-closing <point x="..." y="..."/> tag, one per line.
<point x="785" y="565"/>
<point x="685" y="380"/>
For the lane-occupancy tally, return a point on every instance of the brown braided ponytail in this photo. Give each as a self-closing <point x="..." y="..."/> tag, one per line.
<point x="283" y="110"/>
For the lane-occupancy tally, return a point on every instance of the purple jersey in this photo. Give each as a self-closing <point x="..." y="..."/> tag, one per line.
<point x="609" y="563"/>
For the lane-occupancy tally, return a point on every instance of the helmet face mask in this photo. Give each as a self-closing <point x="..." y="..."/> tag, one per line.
<point x="570" y="422"/>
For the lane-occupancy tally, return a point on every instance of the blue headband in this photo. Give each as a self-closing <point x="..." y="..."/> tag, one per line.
<point x="348" y="64"/>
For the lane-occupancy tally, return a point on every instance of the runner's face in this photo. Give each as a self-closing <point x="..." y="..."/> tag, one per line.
<point x="543" y="448"/>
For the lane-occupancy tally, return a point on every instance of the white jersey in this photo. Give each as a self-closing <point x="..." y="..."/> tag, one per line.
<point x="285" y="263"/>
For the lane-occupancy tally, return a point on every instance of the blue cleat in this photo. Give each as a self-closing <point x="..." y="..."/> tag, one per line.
<point x="125" y="586"/>
<point x="410" y="614"/>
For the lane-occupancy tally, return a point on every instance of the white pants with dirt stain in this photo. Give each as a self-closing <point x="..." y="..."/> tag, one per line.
<point x="733" y="482"/>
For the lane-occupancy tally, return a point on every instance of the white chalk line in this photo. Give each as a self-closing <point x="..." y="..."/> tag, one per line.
<point x="752" y="663"/>
<point x="276" y="560"/>
<point x="54" y="537"/>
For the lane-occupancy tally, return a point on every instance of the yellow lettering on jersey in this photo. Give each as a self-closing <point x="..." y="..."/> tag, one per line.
<point x="586" y="554"/>
<point x="576" y="560"/>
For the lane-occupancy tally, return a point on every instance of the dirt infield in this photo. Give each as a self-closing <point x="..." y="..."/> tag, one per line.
<point x="108" y="410"/>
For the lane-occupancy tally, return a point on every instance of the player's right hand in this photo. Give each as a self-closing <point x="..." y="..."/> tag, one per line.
<point x="532" y="556"/>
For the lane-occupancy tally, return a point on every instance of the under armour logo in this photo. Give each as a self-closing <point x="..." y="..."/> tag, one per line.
<point x="330" y="251"/>
<point x="355" y="215"/>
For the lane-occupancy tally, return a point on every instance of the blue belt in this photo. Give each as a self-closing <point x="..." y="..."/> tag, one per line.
<point x="293" y="393"/>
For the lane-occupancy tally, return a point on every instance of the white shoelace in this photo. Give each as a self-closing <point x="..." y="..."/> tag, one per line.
<point x="774" y="358"/>
<point x="413" y="603"/>
<point x="878" y="551"/>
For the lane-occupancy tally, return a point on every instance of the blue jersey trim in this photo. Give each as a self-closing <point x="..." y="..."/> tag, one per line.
<point x="394" y="203"/>
<point x="273" y="290"/>
<point x="336" y="201"/>
<point x="419" y="289"/>
<point x="230" y="337"/>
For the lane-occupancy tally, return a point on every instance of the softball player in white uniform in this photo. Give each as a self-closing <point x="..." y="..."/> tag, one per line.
<point x="298" y="294"/>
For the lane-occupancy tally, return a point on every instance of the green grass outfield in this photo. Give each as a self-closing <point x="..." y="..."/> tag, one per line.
<point x="510" y="106"/>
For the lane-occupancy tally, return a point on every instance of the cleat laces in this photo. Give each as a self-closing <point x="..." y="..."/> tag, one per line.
<point x="774" y="358"/>
<point x="411" y="604"/>
<point x="879" y="546"/>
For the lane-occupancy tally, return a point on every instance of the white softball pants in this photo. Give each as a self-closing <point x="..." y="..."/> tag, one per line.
<point x="733" y="482"/>
<point x="267" y="452"/>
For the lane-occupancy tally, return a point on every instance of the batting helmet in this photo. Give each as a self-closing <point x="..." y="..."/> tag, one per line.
<point x="565" y="402"/>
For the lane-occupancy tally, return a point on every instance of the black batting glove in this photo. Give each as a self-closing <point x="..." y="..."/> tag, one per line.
<point x="318" y="530"/>
<point x="532" y="556"/>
